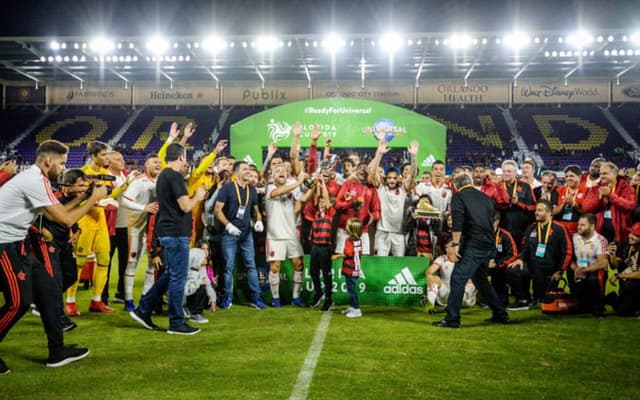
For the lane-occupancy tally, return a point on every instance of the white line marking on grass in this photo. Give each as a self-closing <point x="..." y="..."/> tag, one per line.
<point x="305" y="376"/>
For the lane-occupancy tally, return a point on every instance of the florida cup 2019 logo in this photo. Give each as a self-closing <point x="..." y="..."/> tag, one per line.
<point x="278" y="130"/>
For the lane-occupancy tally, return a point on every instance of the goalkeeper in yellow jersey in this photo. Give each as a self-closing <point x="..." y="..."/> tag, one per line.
<point x="94" y="233"/>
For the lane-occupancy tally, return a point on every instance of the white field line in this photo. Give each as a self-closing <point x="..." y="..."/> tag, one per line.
<point x="305" y="376"/>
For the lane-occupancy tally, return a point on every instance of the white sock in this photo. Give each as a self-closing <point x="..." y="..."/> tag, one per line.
<point x="432" y="292"/>
<point x="149" y="279"/>
<point x="71" y="299"/>
<point x="129" y="277"/>
<point x="96" y="298"/>
<point x="297" y="283"/>
<point x="274" y="282"/>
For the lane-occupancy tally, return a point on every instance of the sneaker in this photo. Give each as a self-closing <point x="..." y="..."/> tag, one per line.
<point x="144" y="320"/>
<point x="118" y="298"/>
<point x="327" y="306"/>
<point x="347" y="310"/>
<point x="34" y="310"/>
<point x="66" y="356"/>
<point x="67" y="324"/>
<point x="129" y="305"/>
<point x="186" y="312"/>
<point x="275" y="303"/>
<point x="299" y="302"/>
<point x="71" y="309"/>
<point x="519" y="306"/>
<point x="100" y="307"/>
<point x="4" y="369"/>
<point x="198" y="318"/>
<point x="317" y="299"/>
<point x="354" y="313"/>
<point x="258" y="304"/>
<point x="226" y="304"/>
<point x="184" y="330"/>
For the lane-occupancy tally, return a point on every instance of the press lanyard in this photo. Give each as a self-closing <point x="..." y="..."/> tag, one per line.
<point x="515" y="187"/>
<point x="575" y="194"/>
<point x="546" y="239"/>
<point x="464" y="187"/>
<point x="498" y="236"/>
<point x="246" y="203"/>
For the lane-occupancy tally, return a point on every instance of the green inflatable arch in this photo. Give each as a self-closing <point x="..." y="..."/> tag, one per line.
<point x="349" y="123"/>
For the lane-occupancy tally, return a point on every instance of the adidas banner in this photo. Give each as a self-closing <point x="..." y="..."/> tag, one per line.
<point x="388" y="281"/>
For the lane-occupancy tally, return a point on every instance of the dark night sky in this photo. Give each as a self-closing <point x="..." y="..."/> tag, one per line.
<point x="191" y="17"/>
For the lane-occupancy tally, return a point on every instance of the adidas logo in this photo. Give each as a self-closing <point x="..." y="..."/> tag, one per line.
<point x="403" y="283"/>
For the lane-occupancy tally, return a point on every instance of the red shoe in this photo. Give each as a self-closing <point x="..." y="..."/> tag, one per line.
<point x="71" y="309"/>
<point x="99" y="306"/>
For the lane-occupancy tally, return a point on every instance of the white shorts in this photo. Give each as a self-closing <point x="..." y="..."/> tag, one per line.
<point x="389" y="243"/>
<point x="440" y="295"/>
<point x="280" y="250"/>
<point x="341" y="238"/>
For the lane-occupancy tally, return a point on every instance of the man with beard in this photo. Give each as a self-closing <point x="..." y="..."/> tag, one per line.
<point x="482" y="181"/>
<point x="612" y="200"/>
<point x="568" y="206"/>
<point x="393" y="195"/>
<point x="548" y="188"/>
<point x="438" y="190"/>
<point x="546" y="251"/>
<point x="141" y="201"/>
<point x="519" y="212"/>
<point x="356" y="199"/>
<point x="24" y="279"/>
<point x="282" y="239"/>
<point x="590" y="261"/>
<point x="592" y="177"/>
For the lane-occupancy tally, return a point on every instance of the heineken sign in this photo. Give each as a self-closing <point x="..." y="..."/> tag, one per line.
<point x="349" y="123"/>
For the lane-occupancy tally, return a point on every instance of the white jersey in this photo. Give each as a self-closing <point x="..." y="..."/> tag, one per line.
<point x="392" y="209"/>
<point x="586" y="251"/>
<point x="440" y="195"/>
<point x="22" y="198"/>
<point x="140" y="192"/>
<point x="121" y="218"/>
<point x="445" y="270"/>
<point x="281" y="218"/>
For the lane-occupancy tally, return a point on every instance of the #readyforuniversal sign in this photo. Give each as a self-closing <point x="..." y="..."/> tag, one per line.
<point x="349" y="123"/>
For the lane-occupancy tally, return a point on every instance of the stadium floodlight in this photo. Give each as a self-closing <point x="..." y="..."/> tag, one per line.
<point x="390" y="42"/>
<point x="635" y="37"/>
<point x="580" y="39"/>
<point x="517" y="40"/>
<point x="214" y="44"/>
<point x="54" y="45"/>
<point x="333" y="43"/>
<point x="460" y="41"/>
<point x="158" y="45"/>
<point x="102" y="45"/>
<point x="266" y="43"/>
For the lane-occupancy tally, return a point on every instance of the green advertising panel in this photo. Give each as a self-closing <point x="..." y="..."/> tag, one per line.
<point x="349" y="123"/>
<point x="388" y="281"/>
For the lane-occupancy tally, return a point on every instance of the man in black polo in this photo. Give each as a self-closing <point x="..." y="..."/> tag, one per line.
<point x="474" y="238"/>
<point x="173" y="227"/>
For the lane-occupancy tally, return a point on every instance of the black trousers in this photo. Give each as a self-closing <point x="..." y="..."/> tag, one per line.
<point x="474" y="265"/>
<point x="305" y="231"/>
<point x="590" y="292"/>
<point x="119" y="241"/>
<point x="628" y="302"/>
<point x="519" y="280"/>
<point x="197" y="302"/>
<point x="499" y="283"/>
<point x="25" y="280"/>
<point x="321" y="261"/>
<point x="65" y="270"/>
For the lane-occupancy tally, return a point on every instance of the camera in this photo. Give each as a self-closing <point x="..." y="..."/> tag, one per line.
<point x="93" y="185"/>
<point x="95" y="179"/>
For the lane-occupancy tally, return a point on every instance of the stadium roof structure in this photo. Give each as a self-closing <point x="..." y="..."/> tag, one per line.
<point x="429" y="55"/>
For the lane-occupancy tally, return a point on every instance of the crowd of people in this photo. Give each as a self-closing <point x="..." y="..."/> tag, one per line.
<point x="500" y="238"/>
